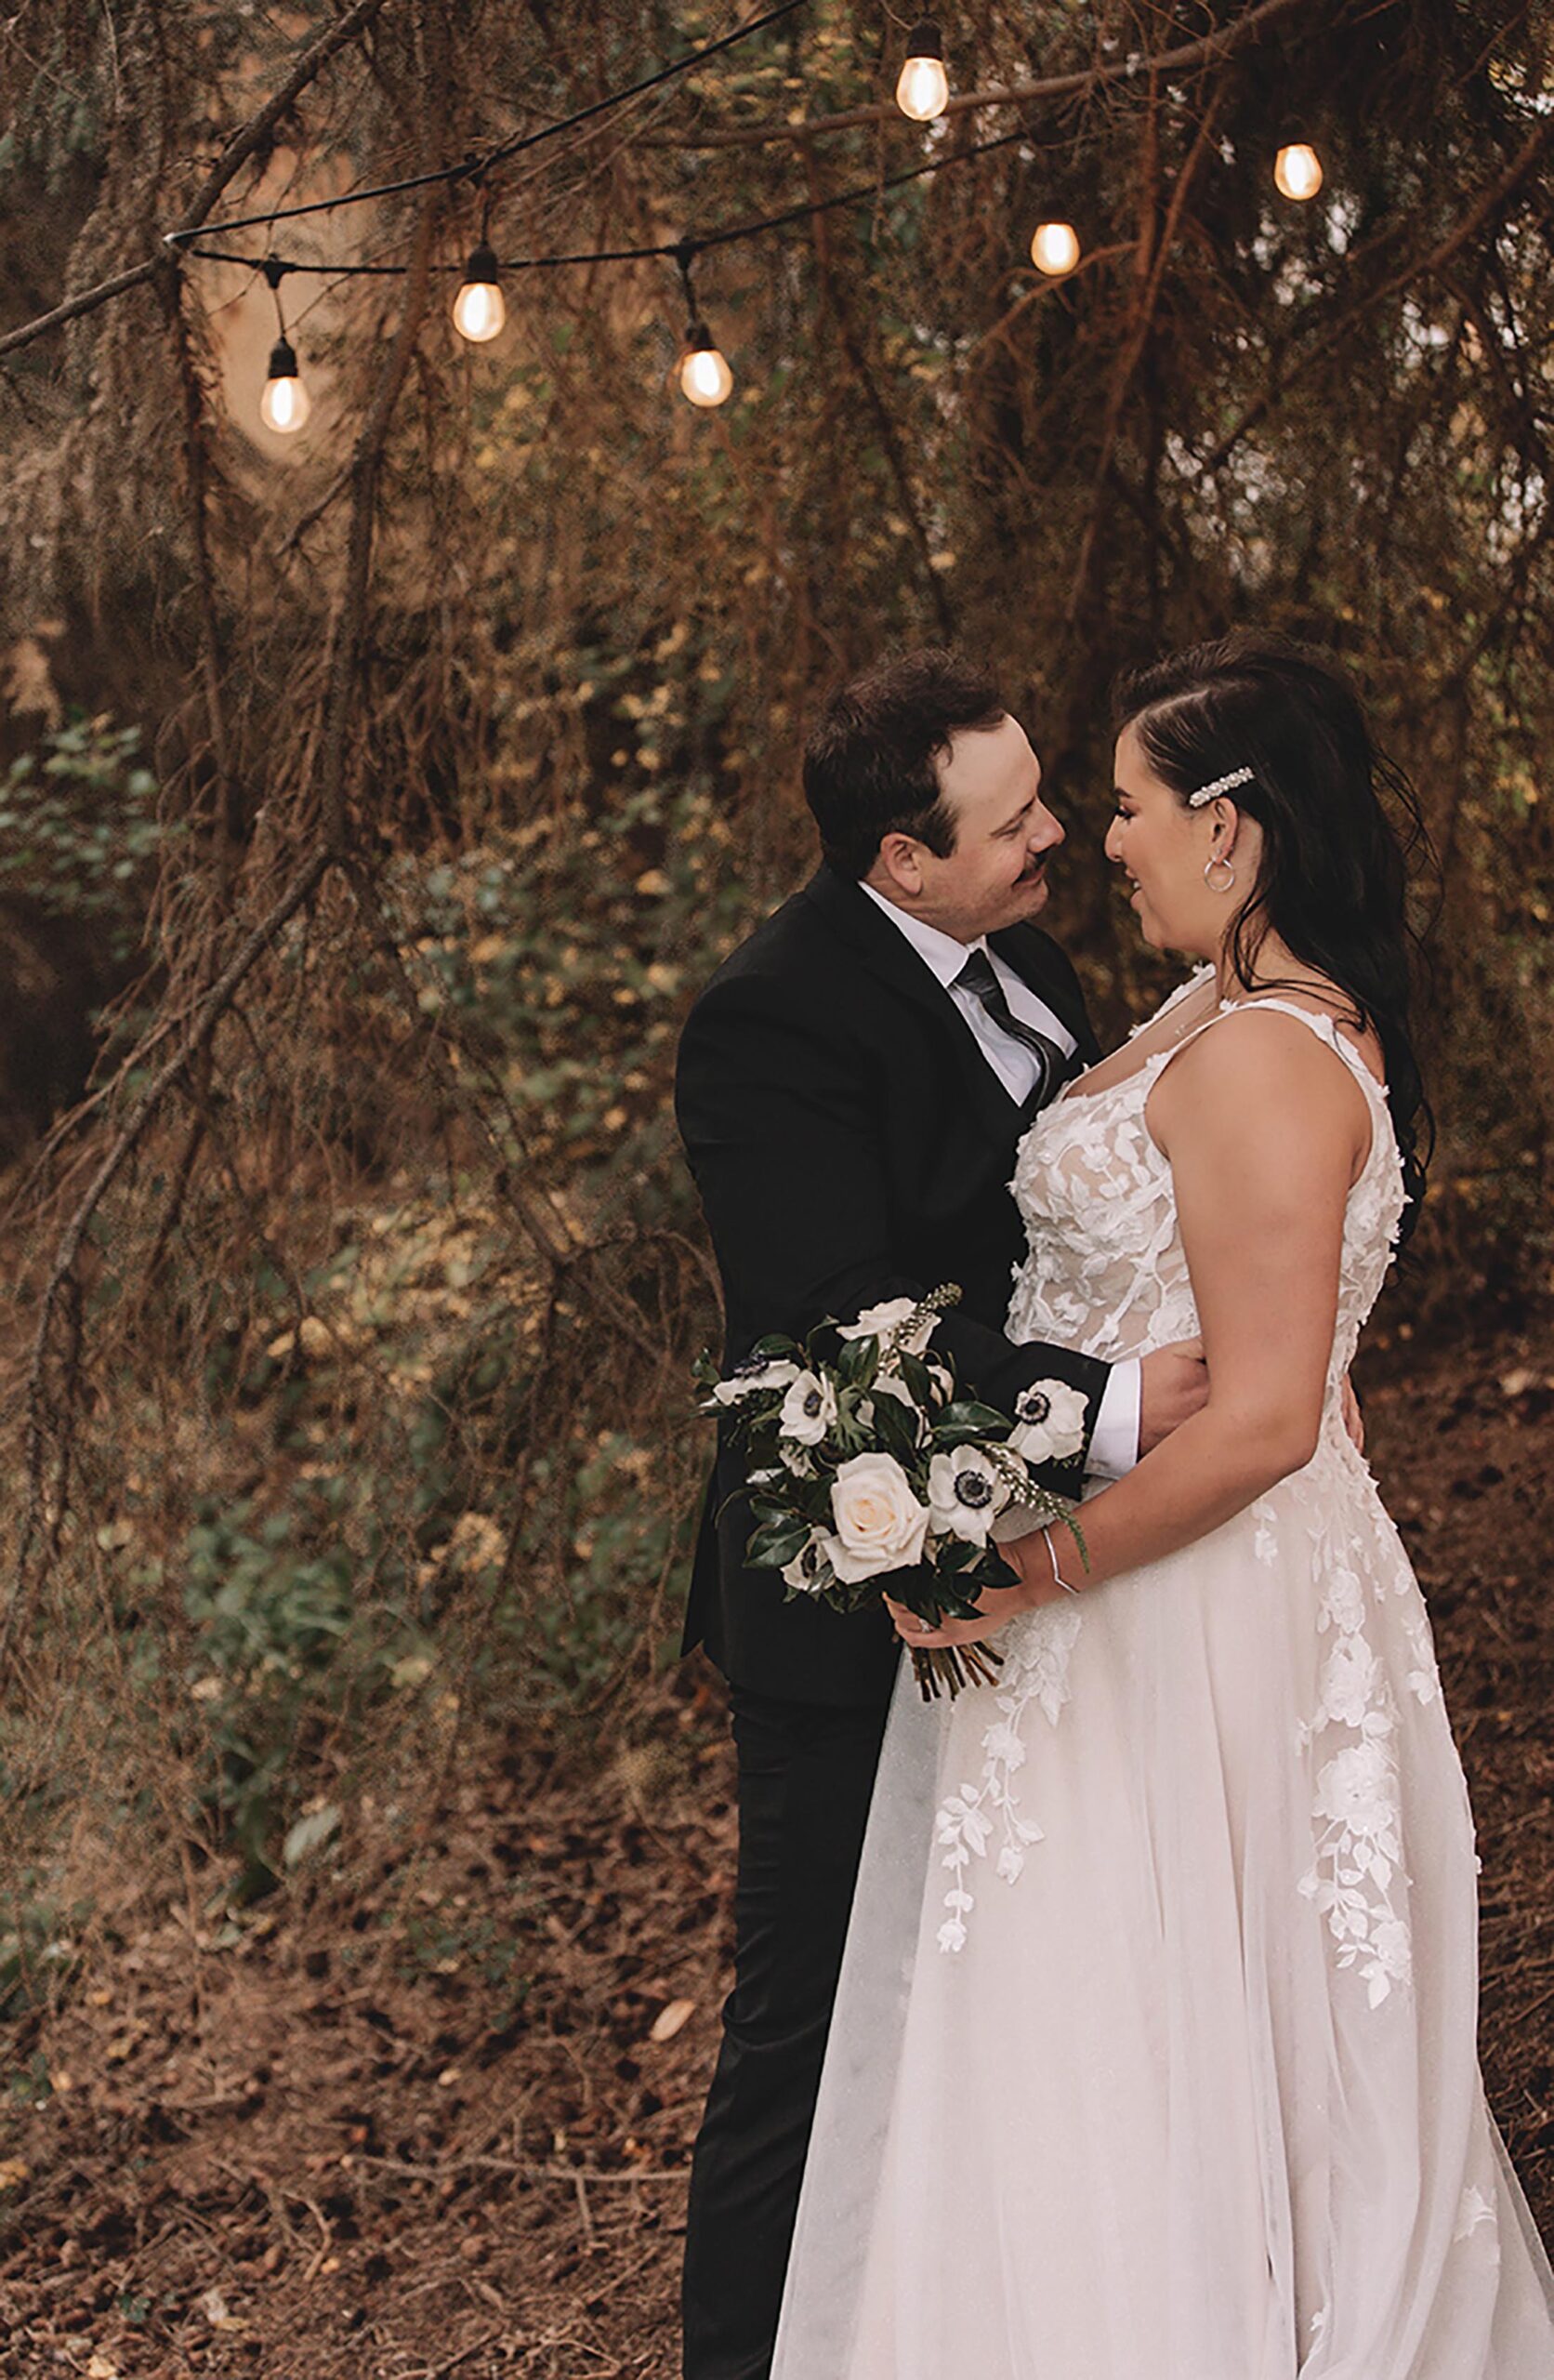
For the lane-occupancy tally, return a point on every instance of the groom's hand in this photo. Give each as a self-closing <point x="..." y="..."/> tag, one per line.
<point x="1173" y="1386"/>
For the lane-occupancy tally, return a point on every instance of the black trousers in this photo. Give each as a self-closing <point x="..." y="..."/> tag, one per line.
<point x="804" y="1778"/>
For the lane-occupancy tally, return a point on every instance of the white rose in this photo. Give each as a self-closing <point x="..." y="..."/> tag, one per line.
<point x="876" y="1321"/>
<point x="880" y="1524"/>
<point x="749" y="1379"/>
<point x="809" y="1410"/>
<point x="966" y="1493"/>
<point x="1049" y="1421"/>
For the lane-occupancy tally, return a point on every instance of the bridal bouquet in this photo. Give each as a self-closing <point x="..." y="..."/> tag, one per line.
<point x="871" y="1471"/>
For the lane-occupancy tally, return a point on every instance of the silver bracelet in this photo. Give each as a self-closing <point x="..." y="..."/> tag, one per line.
<point x="1052" y="1556"/>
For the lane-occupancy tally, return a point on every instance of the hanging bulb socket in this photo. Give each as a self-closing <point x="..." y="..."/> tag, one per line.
<point x="285" y="405"/>
<point x="923" y="86"/>
<point x="480" y="311"/>
<point x="705" y="380"/>
<point x="1297" y="171"/>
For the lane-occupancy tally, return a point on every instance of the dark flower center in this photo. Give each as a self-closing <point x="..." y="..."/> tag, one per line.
<point x="1033" y="1406"/>
<point x="813" y="1401"/>
<point x="973" y="1488"/>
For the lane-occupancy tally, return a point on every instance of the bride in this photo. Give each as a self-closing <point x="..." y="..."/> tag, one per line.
<point x="1154" y="2054"/>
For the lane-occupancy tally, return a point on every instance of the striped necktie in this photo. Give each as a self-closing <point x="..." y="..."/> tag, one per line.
<point x="978" y="978"/>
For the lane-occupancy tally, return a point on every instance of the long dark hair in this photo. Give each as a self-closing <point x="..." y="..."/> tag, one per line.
<point x="1333" y="883"/>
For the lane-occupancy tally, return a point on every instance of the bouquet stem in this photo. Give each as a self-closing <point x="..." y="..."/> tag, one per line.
<point x="948" y="1668"/>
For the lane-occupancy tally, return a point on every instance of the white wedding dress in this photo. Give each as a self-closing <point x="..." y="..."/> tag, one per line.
<point x="1154" y="2056"/>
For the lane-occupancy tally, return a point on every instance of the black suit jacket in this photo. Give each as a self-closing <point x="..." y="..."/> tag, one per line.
<point x="851" y="1143"/>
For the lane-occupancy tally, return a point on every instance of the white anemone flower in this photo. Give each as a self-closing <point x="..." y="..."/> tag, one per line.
<point x="1049" y="1421"/>
<point x="966" y="1492"/>
<point x="809" y="1410"/>
<point x="749" y="1378"/>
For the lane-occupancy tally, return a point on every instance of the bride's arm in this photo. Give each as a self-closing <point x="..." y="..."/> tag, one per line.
<point x="1265" y="1129"/>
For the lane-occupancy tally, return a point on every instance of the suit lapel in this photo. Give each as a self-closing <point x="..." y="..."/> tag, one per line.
<point x="850" y="914"/>
<point x="887" y="955"/>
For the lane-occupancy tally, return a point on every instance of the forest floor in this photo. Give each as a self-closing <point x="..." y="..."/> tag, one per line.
<point x="399" y="2133"/>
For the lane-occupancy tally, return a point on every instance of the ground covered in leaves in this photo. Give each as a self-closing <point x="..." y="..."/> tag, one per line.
<point x="430" y="2111"/>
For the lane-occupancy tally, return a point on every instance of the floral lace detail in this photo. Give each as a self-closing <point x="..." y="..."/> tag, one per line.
<point x="1474" y="2208"/>
<point x="1106" y="1272"/>
<point x="1037" y="1651"/>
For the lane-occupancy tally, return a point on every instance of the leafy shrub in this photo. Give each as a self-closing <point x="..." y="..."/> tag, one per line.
<point x="79" y="831"/>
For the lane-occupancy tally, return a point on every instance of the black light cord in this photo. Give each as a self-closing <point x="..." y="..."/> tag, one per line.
<point x="469" y="168"/>
<point x="674" y="249"/>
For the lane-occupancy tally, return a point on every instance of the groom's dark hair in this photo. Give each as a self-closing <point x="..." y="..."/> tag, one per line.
<point x="869" y="765"/>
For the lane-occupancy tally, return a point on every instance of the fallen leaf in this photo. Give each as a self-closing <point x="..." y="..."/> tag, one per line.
<point x="668" y="2021"/>
<point x="13" y="2172"/>
<point x="213" y="2305"/>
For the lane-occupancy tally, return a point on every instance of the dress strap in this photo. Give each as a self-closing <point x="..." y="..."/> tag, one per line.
<point x="1322" y="1025"/>
<point x="1173" y="999"/>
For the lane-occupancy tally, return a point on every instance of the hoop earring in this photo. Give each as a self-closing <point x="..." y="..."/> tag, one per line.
<point x="1209" y="866"/>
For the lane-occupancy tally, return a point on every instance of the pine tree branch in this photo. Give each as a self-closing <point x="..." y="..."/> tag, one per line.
<point x="1009" y="95"/>
<point x="243" y="144"/>
<point x="1326" y="327"/>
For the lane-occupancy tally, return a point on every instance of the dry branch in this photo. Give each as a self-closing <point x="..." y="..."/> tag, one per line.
<point x="243" y="144"/>
<point x="45" y="1414"/>
<point x="1327" y="324"/>
<point x="1009" y="95"/>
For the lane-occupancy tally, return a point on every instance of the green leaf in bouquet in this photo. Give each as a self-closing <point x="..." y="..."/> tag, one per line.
<point x="965" y="1419"/>
<point x="776" y="1347"/>
<point x="991" y="1571"/>
<point x="919" y="1382"/>
<point x="956" y="1601"/>
<point x="858" y="1362"/>
<point x="895" y="1429"/>
<point x="704" y="1372"/>
<point x="775" y="1543"/>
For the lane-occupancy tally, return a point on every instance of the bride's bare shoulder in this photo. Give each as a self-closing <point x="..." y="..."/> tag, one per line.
<point x="1257" y="1072"/>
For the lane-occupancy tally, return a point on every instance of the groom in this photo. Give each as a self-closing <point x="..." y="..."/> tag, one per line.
<point x="851" y="1087"/>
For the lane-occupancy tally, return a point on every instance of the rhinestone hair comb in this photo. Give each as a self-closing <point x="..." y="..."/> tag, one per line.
<point x="1220" y="785"/>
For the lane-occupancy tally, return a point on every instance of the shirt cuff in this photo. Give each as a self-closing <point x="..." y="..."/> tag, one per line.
<point x="1114" y="1441"/>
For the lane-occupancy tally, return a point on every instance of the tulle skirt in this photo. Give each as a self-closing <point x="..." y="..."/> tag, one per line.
<point x="1154" y="2054"/>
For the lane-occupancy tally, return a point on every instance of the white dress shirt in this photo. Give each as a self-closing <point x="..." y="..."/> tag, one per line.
<point x="1115" y="1440"/>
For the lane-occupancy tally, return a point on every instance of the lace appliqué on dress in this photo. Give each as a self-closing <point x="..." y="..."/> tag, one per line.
<point x="1036" y="1666"/>
<point x="1106" y="1271"/>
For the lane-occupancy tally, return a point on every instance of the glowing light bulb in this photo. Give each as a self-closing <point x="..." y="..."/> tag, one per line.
<point x="1055" y="248"/>
<point x="705" y="377"/>
<point x="923" y="87"/>
<point x="285" y="404"/>
<point x="1298" y="170"/>
<point x="478" y="310"/>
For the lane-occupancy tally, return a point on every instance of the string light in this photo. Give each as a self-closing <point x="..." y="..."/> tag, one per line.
<point x="706" y="380"/>
<point x="923" y="87"/>
<point x="285" y="404"/>
<point x="1298" y="170"/>
<point x="478" y="310"/>
<point x="1055" y="249"/>
<point x="704" y="377"/>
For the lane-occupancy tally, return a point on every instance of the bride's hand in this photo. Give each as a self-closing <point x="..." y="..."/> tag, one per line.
<point x="914" y="1632"/>
<point x="996" y="1605"/>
